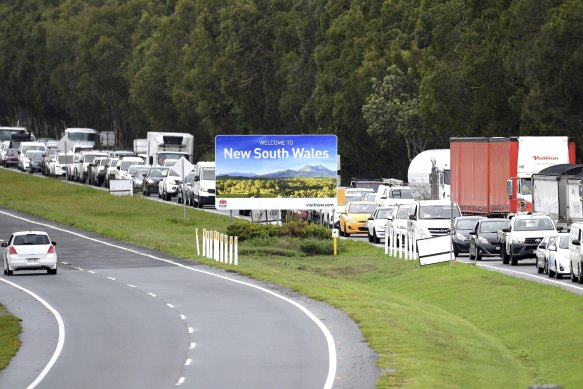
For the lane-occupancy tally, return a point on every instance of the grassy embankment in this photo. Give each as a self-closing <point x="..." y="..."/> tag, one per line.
<point x="432" y="327"/>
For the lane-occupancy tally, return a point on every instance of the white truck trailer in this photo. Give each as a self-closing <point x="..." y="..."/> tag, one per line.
<point x="169" y="145"/>
<point x="429" y="175"/>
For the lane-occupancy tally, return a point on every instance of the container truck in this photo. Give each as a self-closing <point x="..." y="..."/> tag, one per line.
<point x="493" y="176"/>
<point x="575" y="199"/>
<point x="169" y="145"/>
<point x="429" y="175"/>
<point x="550" y="190"/>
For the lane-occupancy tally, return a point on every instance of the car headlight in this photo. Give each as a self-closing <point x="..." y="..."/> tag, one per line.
<point x="460" y="236"/>
<point x="171" y="182"/>
<point x="203" y="189"/>
<point x="349" y="219"/>
<point x="518" y="239"/>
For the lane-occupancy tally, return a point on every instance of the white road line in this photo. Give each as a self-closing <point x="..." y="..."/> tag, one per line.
<point x="131" y="286"/>
<point x="152" y="294"/>
<point x="531" y="276"/>
<point x="90" y="271"/>
<point x="188" y="362"/>
<point x="182" y="317"/>
<point x="180" y="381"/>
<point x="60" y="342"/>
<point x="190" y="330"/>
<point x="170" y="305"/>
<point x="329" y="338"/>
<point x="192" y="346"/>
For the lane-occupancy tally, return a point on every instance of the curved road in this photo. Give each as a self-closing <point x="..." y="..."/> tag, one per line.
<point x="134" y="319"/>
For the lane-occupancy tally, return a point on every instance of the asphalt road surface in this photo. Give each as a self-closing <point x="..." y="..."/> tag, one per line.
<point x="120" y="316"/>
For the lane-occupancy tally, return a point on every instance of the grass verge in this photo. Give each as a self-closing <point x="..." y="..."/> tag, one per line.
<point x="432" y="327"/>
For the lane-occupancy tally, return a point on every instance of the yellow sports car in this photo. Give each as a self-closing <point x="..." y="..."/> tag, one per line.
<point x="355" y="216"/>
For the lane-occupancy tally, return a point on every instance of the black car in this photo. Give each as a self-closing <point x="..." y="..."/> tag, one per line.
<point x="461" y="232"/>
<point x="484" y="240"/>
<point x="152" y="179"/>
<point x="36" y="162"/>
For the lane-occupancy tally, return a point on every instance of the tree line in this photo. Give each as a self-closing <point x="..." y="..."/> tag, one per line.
<point x="389" y="77"/>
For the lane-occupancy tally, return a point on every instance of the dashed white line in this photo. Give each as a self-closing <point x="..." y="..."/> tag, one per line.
<point x="332" y="365"/>
<point x="182" y="317"/>
<point x="192" y="346"/>
<point x="111" y="278"/>
<point x="190" y="330"/>
<point x="170" y="305"/>
<point x="131" y="286"/>
<point x="188" y="362"/>
<point x="91" y="271"/>
<point x="152" y="294"/>
<point x="180" y="381"/>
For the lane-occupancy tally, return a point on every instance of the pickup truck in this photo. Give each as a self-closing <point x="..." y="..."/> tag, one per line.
<point x="521" y="238"/>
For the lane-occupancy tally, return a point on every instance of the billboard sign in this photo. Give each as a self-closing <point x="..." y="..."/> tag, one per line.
<point x="276" y="171"/>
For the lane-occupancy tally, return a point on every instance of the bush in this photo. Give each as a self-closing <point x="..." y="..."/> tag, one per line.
<point x="247" y="231"/>
<point x="317" y="247"/>
<point x="316" y="231"/>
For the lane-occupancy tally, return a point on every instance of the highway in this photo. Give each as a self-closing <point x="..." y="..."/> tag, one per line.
<point x="123" y="316"/>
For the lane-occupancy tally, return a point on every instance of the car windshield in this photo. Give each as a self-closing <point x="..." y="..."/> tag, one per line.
<point x="492" y="226"/>
<point x="361" y="208"/>
<point x="352" y="198"/>
<point x="466" y="224"/>
<point x="384" y="213"/>
<point x="126" y="164"/>
<point x="437" y="212"/>
<point x="132" y="169"/>
<point x="141" y="171"/>
<point x="158" y="172"/>
<point x="533" y="224"/>
<point x="401" y="194"/>
<point x="208" y="173"/>
<point x="402" y="213"/>
<point x="30" y="239"/>
<point x="90" y="157"/>
<point x="564" y="242"/>
<point x="37" y="156"/>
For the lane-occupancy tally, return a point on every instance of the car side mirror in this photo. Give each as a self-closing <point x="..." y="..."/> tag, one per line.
<point x="4" y="244"/>
<point x="54" y="243"/>
<point x="196" y="178"/>
<point x="412" y="217"/>
<point x="560" y="228"/>
<point x="473" y="233"/>
<point x="506" y="229"/>
<point x="371" y="218"/>
<point x="576" y="242"/>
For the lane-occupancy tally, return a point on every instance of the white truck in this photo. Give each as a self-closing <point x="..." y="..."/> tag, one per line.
<point x="169" y="145"/>
<point x="523" y="236"/>
<point x="74" y="139"/>
<point x="429" y="175"/>
<point x="204" y="185"/>
<point x="551" y="194"/>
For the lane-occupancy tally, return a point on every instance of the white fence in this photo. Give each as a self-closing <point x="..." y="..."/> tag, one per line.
<point x="220" y="247"/>
<point x="400" y="245"/>
<point x="405" y="246"/>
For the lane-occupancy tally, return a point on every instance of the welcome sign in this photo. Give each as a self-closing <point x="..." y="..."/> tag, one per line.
<point x="276" y="171"/>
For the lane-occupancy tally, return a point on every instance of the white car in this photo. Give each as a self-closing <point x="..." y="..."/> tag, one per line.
<point x="168" y="187"/>
<point x="376" y="223"/>
<point x="559" y="263"/>
<point x="398" y="222"/>
<point x="29" y="250"/>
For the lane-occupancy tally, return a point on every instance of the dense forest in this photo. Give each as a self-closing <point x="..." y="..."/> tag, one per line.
<point x="389" y="77"/>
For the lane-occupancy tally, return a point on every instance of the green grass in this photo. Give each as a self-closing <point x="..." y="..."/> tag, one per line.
<point x="9" y="341"/>
<point x="432" y="327"/>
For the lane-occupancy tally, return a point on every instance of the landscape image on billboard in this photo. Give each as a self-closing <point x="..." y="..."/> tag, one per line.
<point x="274" y="166"/>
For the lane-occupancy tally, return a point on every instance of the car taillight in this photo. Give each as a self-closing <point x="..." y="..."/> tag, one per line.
<point x="12" y="250"/>
<point x="51" y="250"/>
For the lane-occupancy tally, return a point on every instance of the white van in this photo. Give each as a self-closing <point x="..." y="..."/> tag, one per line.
<point x="26" y="146"/>
<point x="575" y="252"/>
<point x="428" y="218"/>
<point x="204" y="185"/>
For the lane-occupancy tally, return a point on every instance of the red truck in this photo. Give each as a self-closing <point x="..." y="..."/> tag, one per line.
<point x="493" y="176"/>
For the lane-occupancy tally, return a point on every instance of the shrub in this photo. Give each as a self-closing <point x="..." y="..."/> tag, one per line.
<point x="247" y="231"/>
<point x="317" y="247"/>
<point x="293" y="228"/>
<point x="316" y="231"/>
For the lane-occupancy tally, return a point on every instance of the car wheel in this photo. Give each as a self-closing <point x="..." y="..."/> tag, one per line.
<point x="505" y="258"/>
<point x="477" y="257"/>
<point x="370" y="238"/>
<point x="573" y="278"/>
<point x="557" y="274"/>
<point x="7" y="270"/>
<point x="580" y="278"/>
<point x="199" y="203"/>
<point x="513" y="259"/>
<point x="375" y="238"/>
<point x="52" y="271"/>
<point x="539" y="268"/>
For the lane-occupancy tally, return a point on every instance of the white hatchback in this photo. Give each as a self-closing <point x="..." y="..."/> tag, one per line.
<point x="29" y="250"/>
<point x="559" y="264"/>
